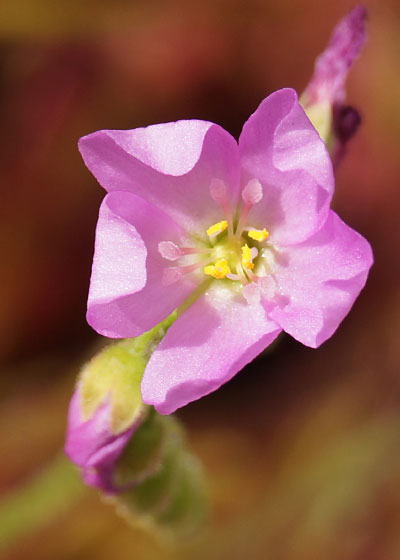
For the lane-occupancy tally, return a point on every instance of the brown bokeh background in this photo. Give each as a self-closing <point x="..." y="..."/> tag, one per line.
<point x="302" y="448"/>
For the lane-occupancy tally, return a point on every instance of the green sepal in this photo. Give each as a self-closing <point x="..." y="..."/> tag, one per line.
<point x="321" y="117"/>
<point x="188" y="504"/>
<point x="115" y="373"/>
<point x="143" y="453"/>
<point x="153" y="495"/>
<point x="173" y="498"/>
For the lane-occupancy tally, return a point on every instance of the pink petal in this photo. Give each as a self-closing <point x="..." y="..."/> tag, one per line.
<point x="280" y="147"/>
<point x="319" y="280"/>
<point x="91" y="445"/>
<point x="332" y="66"/>
<point x="126" y="296"/>
<point x="171" y="165"/>
<point x="212" y="340"/>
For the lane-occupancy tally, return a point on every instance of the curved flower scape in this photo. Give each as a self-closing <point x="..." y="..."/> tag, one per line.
<point x="238" y="237"/>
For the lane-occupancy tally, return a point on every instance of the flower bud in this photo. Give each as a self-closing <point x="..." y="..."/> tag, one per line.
<point x="106" y="408"/>
<point x="324" y="96"/>
<point x="91" y="443"/>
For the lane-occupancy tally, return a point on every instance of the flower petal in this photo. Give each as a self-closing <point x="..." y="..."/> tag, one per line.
<point x="319" y="280"/>
<point x="91" y="445"/>
<point x="127" y="296"/>
<point x="171" y="165"/>
<point x="280" y="147"/>
<point x="333" y="64"/>
<point x="212" y="340"/>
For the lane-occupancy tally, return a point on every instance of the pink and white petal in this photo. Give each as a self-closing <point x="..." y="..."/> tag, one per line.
<point x="171" y="165"/>
<point x="319" y="280"/>
<point x="126" y="295"/>
<point x="91" y="443"/>
<point x="280" y="147"/>
<point x="333" y="64"/>
<point x="206" y="346"/>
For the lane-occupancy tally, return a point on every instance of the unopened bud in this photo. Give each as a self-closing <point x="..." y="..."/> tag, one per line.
<point x="324" y="96"/>
<point x="107" y="407"/>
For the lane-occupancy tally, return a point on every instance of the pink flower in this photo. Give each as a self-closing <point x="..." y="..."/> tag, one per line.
<point x="238" y="237"/>
<point x="92" y="444"/>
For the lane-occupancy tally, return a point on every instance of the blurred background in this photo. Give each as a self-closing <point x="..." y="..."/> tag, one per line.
<point x="302" y="448"/>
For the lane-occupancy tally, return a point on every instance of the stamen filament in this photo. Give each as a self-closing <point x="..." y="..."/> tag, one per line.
<point x="232" y="276"/>
<point x="252" y="277"/>
<point x="242" y="275"/>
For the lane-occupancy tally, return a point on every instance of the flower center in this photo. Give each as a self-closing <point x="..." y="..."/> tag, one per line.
<point x="235" y="248"/>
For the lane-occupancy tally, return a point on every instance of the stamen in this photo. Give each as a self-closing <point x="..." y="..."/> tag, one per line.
<point x="258" y="235"/>
<point x="243" y="278"/>
<point x="217" y="228"/>
<point x="218" y="193"/>
<point x="247" y="259"/>
<point x="219" y="270"/>
<point x="250" y="275"/>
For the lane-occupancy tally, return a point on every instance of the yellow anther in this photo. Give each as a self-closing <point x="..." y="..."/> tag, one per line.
<point x="258" y="235"/>
<point x="218" y="270"/>
<point x="217" y="228"/>
<point x="247" y="260"/>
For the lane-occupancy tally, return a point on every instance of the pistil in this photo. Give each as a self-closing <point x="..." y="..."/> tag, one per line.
<point x="168" y="250"/>
<point x="172" y="274"/>
<point x="251" y="195"/>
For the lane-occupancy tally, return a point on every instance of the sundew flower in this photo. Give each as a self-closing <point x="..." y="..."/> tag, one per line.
<point x="239" y="237"/>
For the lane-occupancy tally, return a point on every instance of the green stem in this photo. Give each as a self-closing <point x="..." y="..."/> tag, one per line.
<point x="46" y="496"/>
